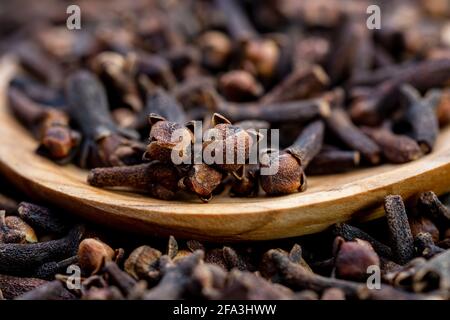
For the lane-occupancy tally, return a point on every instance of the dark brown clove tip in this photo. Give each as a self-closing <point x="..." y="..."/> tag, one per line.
<point x="58" y="141"/>
<point x="92" y="178"/>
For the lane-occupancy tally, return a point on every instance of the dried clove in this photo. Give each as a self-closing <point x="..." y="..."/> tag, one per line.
<point x="172" y="247"/>
<point x="296" y="277"/>
<point x="333" y="161"/>
<point x="108" y="293"/>
<point x="15" y="286"/>
<point x="93" y="254"/>
<point x="155" y="67"/>
<point x="176" y="277"/>
<point x="395" y="148"/>
<point x="430" y="204"/>
<point x="237" y="22"/>
<point x="38" y="92"/>
<point x="434" y="274"/>
<point x="38" y="63"/>
<point x="166" y="138"/>
<point x="49" y="270"/>
<point x="119" y="278"/>
<point x="399" y="230"/>
<point x="345" y="51"/>
<point x="296" y="256"/>
<point x="202" y="180"/>
<point x="233" y="259"/>
<point x="246" y="182"/>
<point x="341" y="125"/>
<point x="299" y="278"/>
<point x="422" y="224"/>
<point x="15" y="230"/>
<point x="42" y="218"/>
<point x="421" y="117"/>
<point x="215" y="256"/>
<point x="216" y="49"/>
<point x="163" y="104"/>
<point x="302" y="83"/>
<point x="159" y="180"/>
<point x="353" y="258"/>
<point x="350" y="233"/>
<point x="369" y="110"/>
<point x="225" y="141"/>
<point x="115" y="71"/>
<point x="194" y="245"/>
<point x="104" y="143"/>
<point x="425" y="246"/>
<point x="245" y="285"/>
<point x="300" y="111"/>
<point x="309" y="143"/>
<point x="239" y="86"/>
<point x="208" y="281"/>
<point x="290" y="176"/>
<point x="51" y="126"/>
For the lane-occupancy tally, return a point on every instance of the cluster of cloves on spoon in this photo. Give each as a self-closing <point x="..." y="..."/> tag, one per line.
<point x="408" y="251"/>
<point x="342" y="95"/>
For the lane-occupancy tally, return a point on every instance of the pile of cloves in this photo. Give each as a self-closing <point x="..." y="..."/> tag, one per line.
<point x="110" y="97"/>
<point x="48" y="255"/>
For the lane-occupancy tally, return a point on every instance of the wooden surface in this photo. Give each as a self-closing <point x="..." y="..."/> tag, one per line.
<point x="329" y="199"/>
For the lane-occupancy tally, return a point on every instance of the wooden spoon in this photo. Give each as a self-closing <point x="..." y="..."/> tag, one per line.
<point x="329" y="199"/>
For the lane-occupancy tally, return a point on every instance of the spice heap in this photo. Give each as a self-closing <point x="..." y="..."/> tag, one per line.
<point x="47" y="255"/>
<point x="110" y="95"/>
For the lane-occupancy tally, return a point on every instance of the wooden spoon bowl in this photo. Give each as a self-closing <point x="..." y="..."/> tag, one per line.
<point x="329" y="199"/>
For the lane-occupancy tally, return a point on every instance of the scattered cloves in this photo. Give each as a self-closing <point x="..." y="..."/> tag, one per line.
<point x="421" y="117"/>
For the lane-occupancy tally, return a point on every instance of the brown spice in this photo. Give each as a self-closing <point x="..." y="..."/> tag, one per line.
<point x="399" y="230"/>
<point x="341" y="125"/>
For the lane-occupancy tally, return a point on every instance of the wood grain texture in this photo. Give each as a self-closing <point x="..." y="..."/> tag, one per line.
<point x="329" y="199"/>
